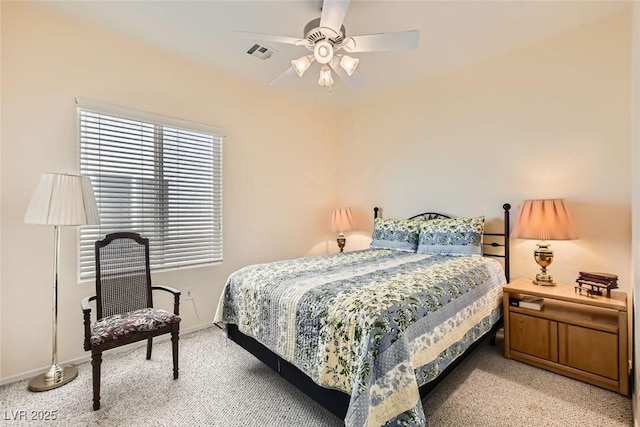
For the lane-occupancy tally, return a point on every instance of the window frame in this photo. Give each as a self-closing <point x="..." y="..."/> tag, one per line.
<point x="159" y="122"/>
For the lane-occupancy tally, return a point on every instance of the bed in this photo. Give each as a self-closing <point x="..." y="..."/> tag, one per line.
<point x="367" y="333"/>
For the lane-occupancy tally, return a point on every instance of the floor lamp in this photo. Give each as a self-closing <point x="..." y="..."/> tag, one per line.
<point x="60" y="199"/>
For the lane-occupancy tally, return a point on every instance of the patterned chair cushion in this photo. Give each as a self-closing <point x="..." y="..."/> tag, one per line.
<point x="111" y="328"/>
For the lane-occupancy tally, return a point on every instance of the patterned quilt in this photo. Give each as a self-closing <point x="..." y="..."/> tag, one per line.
<point x="375" y="324"/>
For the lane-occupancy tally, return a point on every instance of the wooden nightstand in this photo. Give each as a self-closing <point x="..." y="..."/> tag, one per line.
<point x="574" y="335"/>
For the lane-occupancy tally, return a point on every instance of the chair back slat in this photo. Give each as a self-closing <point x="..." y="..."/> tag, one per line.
<point x="123" y="279"/>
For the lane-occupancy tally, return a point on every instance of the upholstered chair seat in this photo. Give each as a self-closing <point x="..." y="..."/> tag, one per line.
<point x="122" y="325"/>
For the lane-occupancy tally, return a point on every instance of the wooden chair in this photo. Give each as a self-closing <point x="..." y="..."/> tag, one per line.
<point x="124" y="303"/>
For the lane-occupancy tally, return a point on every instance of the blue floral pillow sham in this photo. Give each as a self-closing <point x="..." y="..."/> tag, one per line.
<point x="455" y="236"/>
<point x="400" y="234"/>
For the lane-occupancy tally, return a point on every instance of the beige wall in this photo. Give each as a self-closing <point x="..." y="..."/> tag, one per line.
<point x="0" y="191"/>
<point x="278" y="187"/>
<point x="635" y="161"/>
<point x="550" y="120"/>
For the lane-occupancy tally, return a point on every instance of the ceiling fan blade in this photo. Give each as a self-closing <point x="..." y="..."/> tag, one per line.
<point x="403" y="40"/>
<point x="333" y="13"/>
<point x="290" y="72"/>
<point x="269" y="38"/>
<point x="353" y="81"/>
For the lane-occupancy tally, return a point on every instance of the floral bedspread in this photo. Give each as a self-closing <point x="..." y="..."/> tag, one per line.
<point x="375" y="324"/>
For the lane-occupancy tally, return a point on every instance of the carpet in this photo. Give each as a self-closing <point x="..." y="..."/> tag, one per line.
<point x="221" y="384"/>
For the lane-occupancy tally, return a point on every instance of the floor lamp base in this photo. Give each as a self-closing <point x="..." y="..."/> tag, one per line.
<point x="40" y="384"/>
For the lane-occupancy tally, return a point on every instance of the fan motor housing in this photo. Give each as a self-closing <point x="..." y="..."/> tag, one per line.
<point x="313" y="33"/>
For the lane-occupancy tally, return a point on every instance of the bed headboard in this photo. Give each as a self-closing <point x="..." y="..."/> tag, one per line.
<point x="497" y="240"/>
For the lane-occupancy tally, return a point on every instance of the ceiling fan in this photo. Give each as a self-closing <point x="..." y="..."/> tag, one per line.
<point x="327" y="39"/>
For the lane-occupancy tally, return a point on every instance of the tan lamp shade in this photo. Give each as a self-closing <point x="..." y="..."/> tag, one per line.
<point x="547" y="219"/>
<point x="341" y="220"/>
<point x="63" y="199"/>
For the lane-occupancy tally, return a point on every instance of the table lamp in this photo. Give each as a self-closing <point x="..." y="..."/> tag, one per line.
<point x="60" y="199"/>
<point x="341" y="221"/>
<point x="543" y="220"/>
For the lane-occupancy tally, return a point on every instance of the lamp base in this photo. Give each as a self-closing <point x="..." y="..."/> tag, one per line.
<point x="341" y="240"/>
<point x="39" y="383"/>
<point x="544" y="283"/>
<point x="544" y="257"/>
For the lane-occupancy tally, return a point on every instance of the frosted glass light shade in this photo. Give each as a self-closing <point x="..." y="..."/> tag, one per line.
<point x="349" y="64"/>
<point x="341" y="220"/>
<point x="301" y="64"/>
<point x="547" y="219"/>
<point x="325" y="80"/>
<point x="63" y="199"/>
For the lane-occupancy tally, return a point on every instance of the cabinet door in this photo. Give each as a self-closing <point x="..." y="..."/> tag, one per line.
<point x="534" y="336"/>
<point x="589" y="350"/>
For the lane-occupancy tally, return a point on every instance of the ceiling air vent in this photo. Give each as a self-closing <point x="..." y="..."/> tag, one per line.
<point x="261" y="51"/>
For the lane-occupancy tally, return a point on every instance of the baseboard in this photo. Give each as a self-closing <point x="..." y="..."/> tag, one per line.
<point x="87" y="358"/>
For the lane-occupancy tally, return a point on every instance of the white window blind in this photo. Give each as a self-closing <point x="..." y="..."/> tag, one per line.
<point x="155" y="176"/>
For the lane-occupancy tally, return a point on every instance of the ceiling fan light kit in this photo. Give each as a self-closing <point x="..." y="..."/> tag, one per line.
<point x="349" y="64"/>
<point x="302" y="64"/>
<point x="325" y="36"/>
<point x="326" y="79"/>
<point x="323" y="52"/>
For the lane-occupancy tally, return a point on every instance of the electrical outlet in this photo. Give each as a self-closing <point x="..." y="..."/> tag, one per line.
<point x="188" y="294"/>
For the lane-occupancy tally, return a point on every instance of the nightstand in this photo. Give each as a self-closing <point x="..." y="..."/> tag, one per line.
<point x="575" y="335"/>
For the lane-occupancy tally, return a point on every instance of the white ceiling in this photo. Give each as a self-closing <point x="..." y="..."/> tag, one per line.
<point x="453" y="34"/>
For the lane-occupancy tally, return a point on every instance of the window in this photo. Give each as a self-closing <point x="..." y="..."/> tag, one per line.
<point x="156" y="176"/>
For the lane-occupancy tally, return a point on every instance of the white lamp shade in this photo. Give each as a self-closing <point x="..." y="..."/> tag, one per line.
<point x="63" y="199"/>
<point x="341" y="220"/>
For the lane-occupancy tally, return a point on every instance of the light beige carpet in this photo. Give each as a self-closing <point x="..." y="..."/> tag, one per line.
<point x="489" y="390"/>
<point x="220" y="384"/>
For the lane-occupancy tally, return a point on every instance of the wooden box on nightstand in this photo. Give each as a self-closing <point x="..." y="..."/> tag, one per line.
<point x="575" y="335"/>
